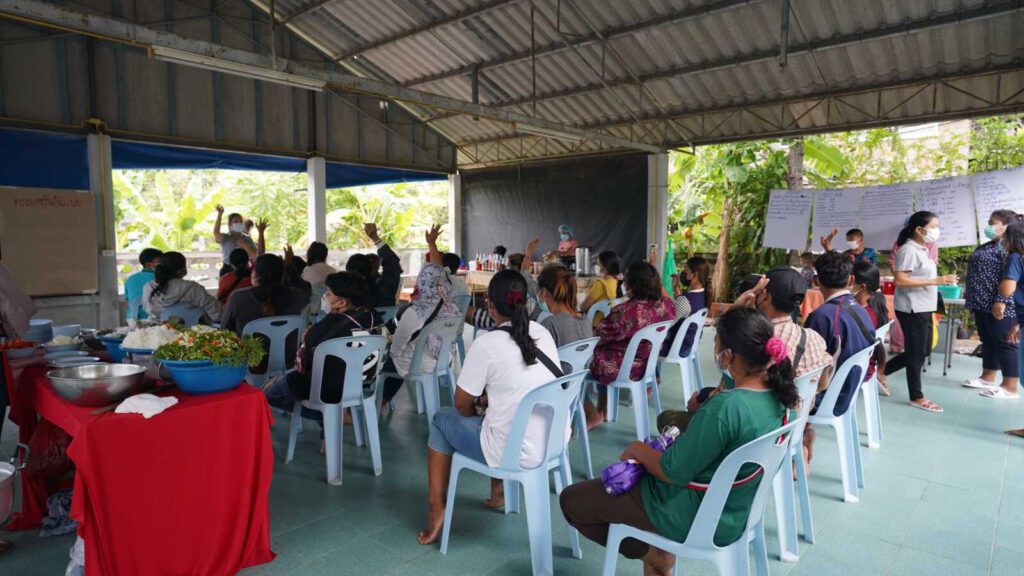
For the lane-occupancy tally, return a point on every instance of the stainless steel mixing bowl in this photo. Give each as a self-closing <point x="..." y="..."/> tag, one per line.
<point x="97" y="384"/>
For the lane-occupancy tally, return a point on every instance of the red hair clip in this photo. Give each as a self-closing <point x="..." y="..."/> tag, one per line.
<point x="513" y="298"/>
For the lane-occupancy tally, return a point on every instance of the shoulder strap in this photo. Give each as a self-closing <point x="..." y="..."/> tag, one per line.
<point x="544" y="358"/>
<point x="845" y="304"/>
<point x="800" y="348"/>
<point x="433" y="315"/>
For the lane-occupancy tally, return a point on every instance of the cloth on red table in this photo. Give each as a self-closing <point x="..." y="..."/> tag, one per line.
<point x="185" y="492"/>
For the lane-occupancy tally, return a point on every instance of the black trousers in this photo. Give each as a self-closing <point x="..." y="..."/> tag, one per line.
<point x="996" y="352"/>
<point x="917" y="341"/>
<point x="391" y="385"/>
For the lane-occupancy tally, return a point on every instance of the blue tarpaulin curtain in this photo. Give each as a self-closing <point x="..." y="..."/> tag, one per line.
<point x="36" y="159"/>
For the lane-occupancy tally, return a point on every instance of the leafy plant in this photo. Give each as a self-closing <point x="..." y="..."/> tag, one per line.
<point x="223" y="347"/>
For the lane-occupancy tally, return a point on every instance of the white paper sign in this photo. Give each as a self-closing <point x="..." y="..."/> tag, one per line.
<point x="1002" y="190"/>
<point x="952" y="200"/>
<point x="835" y="209"/>
<point x="882" y="213"/>
<point x="788" y="219"/>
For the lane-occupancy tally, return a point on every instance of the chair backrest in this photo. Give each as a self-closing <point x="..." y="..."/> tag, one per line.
<point x="882" y="332"/>
<point x="655" y="334"/>
<point x="188" y="314"/>
<point x="388" y="313"/>
<point x="543" y="316"/>
<point x="134" y="308"/>
<point x="807" y="386"/>
<point x="556" y="398"/>
<point x="578" y="354"/>
<point x="355" y="352"/>
<point x="604" y="307"/>
<point x="859" y="362"/>
<point x="695" y="319"/>
<point x="768" y="453"/>
<point x="278" y="330"/>
<point x="448" y="329"/>
<point x="463" y="303"/>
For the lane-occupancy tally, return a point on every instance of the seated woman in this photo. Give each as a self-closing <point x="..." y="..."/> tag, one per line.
<point x="169" y="287"/>
<point x="504" y="366"/>
<point x="268" y="296"/>
<point x="666" y="500"/>
<point x="607" y="285"/>
<point x="557" y="295"/>
<point x="646" y="305"/>
<point x="239" y="277"/>
<point x="867" y="291"/>
<point x="432" y="300"/>
<point x="345" y="304"/>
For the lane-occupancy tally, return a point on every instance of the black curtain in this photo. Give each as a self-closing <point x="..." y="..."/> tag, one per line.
<point x="603" y="198"/>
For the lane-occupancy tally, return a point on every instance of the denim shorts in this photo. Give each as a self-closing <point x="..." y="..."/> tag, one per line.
<point x="452" y="432"/>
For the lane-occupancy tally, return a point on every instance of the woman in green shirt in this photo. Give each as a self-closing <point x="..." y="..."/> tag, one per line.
<point x="666" y="500"/>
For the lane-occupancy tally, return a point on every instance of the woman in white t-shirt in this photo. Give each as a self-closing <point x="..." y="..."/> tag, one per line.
<point x="503" y="367"/>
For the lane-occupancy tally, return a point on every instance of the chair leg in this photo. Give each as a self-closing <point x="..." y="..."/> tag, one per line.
<point x="431" y="396"/>
<point x="611" y="551"/>
<point x="332" y="440"/>
<point x="613" y="402"/>
<point x="372" y="435"/>
<point x="878" y="411"/>
<point x="785" y="513"/>
<point x="698" y="376"/>
<point x="640" y="409"/>
<point x="449" y="506"/>
<point x="858" y="463"/>
<point x="293" y="431"/>
<point x="869" y="391"/>
<point x="760" y="551"/>
<point x="846" y="465"/>
<point x="538" y="521"/>
<point x="563" y="478"/>
<point x="584" y="434"/>
<point x="512" y="491"/>
<point x="803" y="491"/>
<point x="656" y="397"/>
<point x="417" y="391"/>
<point x="357" y="425"/>
<point x="686" y="375"/>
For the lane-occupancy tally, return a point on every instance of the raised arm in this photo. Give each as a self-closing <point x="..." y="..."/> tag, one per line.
<point x="826" y="241"/>
<point x="261" y="244"/>
<point x="218" y="236"/>
<point x="435" y="256"/>
<point x="528" y="255"/>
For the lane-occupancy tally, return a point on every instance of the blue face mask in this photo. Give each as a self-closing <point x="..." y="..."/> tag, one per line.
<point x="726" y="376"/>
<point x="564" y="237"/>
<point x="990" y="232"/>
<point x="543" y="306"/>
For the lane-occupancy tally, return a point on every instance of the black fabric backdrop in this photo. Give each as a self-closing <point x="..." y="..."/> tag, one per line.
<point x="604" y="199"/>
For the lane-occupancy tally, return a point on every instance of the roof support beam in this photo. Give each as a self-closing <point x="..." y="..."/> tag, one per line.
<point x="450" y="19"/>
<point x="307" y="10"/>
<point x="123" y="32"/>
<point x="960" y="17"/>
<point x="584" y="39"/>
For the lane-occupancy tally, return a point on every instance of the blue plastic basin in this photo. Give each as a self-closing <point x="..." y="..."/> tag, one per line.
<point x="206" y="379"/>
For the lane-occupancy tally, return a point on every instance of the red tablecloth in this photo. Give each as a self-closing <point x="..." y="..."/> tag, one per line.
<point x="185" y="492"/>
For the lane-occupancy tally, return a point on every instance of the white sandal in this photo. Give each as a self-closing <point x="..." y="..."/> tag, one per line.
<point x="979" y="383"/>
<point x="999" y="393"/>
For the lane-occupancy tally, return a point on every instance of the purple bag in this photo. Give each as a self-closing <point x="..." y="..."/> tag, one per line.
<point x="623" y="475"/>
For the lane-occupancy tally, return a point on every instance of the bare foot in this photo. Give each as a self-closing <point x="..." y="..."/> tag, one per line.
<point x="435" y="521"/>
<point x="497" y="499"/>
<point x="594" y="416"/>
<point x="657" y="562"/>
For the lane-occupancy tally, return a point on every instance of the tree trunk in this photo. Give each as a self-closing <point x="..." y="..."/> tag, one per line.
<point x="795" y="181"/>
<point x="720" y="277"/>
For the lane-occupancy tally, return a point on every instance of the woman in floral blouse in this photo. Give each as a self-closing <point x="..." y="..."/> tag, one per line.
<point x="647" y="305"/>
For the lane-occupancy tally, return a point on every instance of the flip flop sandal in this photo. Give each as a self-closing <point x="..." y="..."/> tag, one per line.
<point x="998" y="393"/>
<point x="979" y="383"/>
<point x="884" y="389"/>
<point x="1019" y="432"/>
<point x="928" y="406"/>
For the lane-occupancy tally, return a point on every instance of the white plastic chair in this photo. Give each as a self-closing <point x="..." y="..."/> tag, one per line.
<point x="784" y="485"/>
<point x="689" y="365"/>
<point x="578" y="355"/>
<point x="387" y="313"/>
<point x="355" y="352"/>
<point x="543" y="316"/>
<point x="654" y="334"/>
<point x="845" y="424"/>
<point x="278" y="330"/>
<point x="555" y="399"/>
<point x="427" y="384"/>
<point x="604" y="307"/>
<point x="734" y="559"/>
<point x="189" y="315"/>
<point x="869" y="391"/>
<point x="463" y="303"/>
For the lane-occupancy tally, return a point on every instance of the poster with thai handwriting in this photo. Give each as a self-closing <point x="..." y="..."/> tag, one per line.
<point x="835" y="209"/>
<point x="788" y="219"/>
<point x="952" y="200"/>
<point x="882" y="213"/>
<point x="1001" y="190"/>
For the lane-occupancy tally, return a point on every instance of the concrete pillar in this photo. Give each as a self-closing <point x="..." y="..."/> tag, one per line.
<point x="316" y="188"/>
<point x="657" y="205"/>
<point x="107" y="310"/>
<point x="455" y="213"/>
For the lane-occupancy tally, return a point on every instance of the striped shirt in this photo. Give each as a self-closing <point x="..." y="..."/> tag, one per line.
<point x="815" y="353"/>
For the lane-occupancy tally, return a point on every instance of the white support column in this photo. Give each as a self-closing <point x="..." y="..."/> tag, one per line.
<point x="107" y="314"/>
<point x="455" y="212"/>
<point x="316" y="172"/>
<point x="657" y="205"/>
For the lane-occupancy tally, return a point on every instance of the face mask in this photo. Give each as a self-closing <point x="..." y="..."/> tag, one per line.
<point x="853" y="244"/>
<point x="564" y="237"/>
<point x="932" y="235"/>
<point x="992" y="232"/>
<point x="325" y="304"/>
<point x="729" y="382"/>
<point x="598" y="270"/>
<point x="238" y="227"/>
<point x="543" y="306"/>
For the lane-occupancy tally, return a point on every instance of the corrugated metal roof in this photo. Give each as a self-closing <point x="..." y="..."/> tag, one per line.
<point x="673" y="68"/>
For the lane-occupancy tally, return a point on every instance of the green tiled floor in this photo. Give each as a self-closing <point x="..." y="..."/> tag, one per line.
<point x="945" y="495"/>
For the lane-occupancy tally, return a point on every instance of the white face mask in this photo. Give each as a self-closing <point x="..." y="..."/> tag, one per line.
<point x="238" y="227"/>
<point x="325" y="304"/>
<point x="853" y="244"/>
<point x="932" y="235"/>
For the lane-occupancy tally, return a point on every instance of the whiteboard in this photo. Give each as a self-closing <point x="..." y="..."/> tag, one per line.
<point x="1002" y="190"/>
<point x="835" y="209"/>
<point x="788" y="219"/>
<point x="883" y="211"/>
<point x="951" y="199"/>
